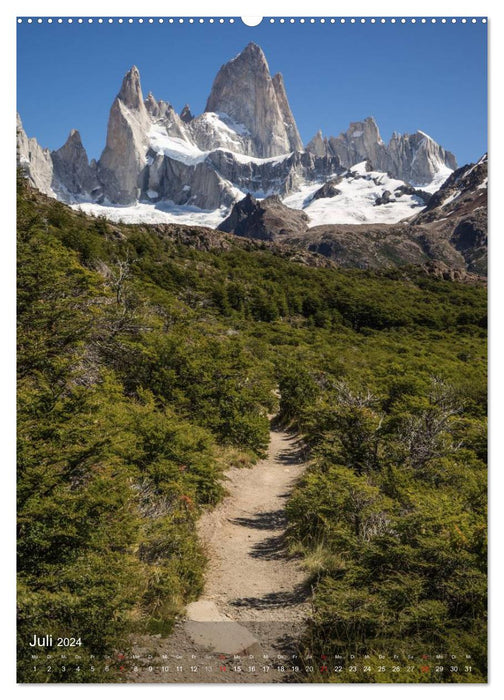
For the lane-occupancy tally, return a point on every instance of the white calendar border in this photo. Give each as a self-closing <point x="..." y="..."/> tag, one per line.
<point x="223" y="8"/>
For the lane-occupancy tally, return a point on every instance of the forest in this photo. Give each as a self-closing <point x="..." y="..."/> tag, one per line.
<point x="147" y="366"/>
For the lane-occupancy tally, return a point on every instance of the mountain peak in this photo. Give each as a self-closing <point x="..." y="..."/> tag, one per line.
<point x="131" y="92"/>
<point x="254" y="50"/>
<point x="245" y="91"/>
<point x="74" y="137"/>
<point x="318" y="145"/>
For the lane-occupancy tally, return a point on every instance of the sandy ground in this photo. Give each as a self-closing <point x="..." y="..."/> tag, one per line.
<point x="250" y="581"/>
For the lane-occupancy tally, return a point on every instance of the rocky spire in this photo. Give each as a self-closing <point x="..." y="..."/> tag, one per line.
<point x="361" y="141"/>
<point x="123" y="159"/>
<point x="130" y="93"/>
<point x="318" y="145"/>
<point x="71" y="166"/>
<point x="73" y="141"/>
<point x="288" y="118"/>
<point x="186" y="114"/>
<point x="151" y="105"/>
<point x="245" y="92"/>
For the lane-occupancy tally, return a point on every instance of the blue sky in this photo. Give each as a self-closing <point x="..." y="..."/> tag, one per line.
<point x="408" y="76"/>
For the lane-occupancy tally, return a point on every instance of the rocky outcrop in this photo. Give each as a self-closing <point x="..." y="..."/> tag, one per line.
<point x="71" y="168"/>
<point x="35" y="161"/>
<point x="245" y="92"/>
<point x="385" y="198"/>
<point x="216" y="179"/>
<point x="280" y="176"/>
<point x="442" y="271"/>
<point x="328" y="189"/>
<point x="319" y="145"/>
<point x="417" y="158"/>
<point x="459" y="211"/>
<point x="265" y="220"/>
<point x="198" y="185"/>
<point x="414" y="158"/>
<point x="464" y="191"/>
<point x="408" y="189"/>
<point x="186" y="114"/>
<point x="211" y="131"/>
<point x="361" y="141"/>
<point x="123" y="160"/>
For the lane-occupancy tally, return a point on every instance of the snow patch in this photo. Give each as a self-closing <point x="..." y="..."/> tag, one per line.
<point x="450" y="199"/>
<point x="356" y="202"/>
<point x="229" y="123"/>
<point x="190" y="154"/>
<point x="241" y="158"/>
<point x="360" y="168"/>
<point x="174" y="147"/>
<point x="159" y="213"/>
<point x="442" y="174"/>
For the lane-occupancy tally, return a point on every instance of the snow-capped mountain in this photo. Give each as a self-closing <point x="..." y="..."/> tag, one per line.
<point x="414" y="158"/>
<point x="161" y="166"/>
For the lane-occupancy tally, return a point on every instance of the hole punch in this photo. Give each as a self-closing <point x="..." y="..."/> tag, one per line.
<point x="252" y="21"/>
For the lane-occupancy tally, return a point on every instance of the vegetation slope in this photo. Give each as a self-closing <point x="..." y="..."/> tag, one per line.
<point x="147" y="365"/>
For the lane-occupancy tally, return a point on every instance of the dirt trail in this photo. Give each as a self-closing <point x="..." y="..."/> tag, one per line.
<point x="249" y="576"/>
<point x="252" y="585"/>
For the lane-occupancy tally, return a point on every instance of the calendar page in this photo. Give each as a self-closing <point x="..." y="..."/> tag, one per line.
<point x="252" y="349"/>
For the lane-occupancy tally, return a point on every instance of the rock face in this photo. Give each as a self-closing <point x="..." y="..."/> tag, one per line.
<point x="266" y="220"/>
<point x="123" y="159"/>
<point x="361" y="141"/>
<point x="328" y="189"/>
<point x="417" y="158"/>
<point x="186" y="114"/>
<point x="459" y="210"/>
<point x="199" y="185"/>
<point x="71" y="167"/>
<point x="414" y="158"/>
<point x="245" y="92"/>
<point x="295" y="143"/>
<point x="35" y="161"/>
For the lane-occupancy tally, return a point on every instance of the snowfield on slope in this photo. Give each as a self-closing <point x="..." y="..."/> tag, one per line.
<point x="186" y="152"/>
<point x="161" y="213"/>
<point x="355" y="204"/>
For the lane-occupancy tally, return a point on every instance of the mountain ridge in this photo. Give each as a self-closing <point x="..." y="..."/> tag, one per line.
<point x="246" y="140"/>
